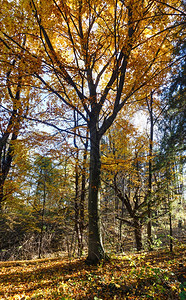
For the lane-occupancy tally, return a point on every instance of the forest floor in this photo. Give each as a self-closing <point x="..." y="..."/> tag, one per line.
<point x="148" y="275"/>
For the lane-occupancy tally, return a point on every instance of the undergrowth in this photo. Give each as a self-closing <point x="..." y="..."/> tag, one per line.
<point x="154" y="275"/>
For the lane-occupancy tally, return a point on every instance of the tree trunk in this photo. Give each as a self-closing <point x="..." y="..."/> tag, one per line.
<point x="6" y="156"/>
<point x="76" y="202"/>
<point x="170" y="224"/>
<point x="138" y="234"/>
<point x="95" y="247"/>
<point x="120" y="243"/>
<point x="1" y="194"/>
<point x="82" y="197"/>
<point x="149" y="228"/>
<point x="149" y="224"/>
<point x="171" y="232"/>
<point x="42" y="220"/>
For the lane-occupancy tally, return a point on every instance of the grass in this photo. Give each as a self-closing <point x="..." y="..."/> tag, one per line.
<point x="154" y="275"/>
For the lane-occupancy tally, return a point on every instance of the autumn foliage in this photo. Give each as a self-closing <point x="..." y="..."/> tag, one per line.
<point x="158" y="275"/>
<point x="76" y="172"/>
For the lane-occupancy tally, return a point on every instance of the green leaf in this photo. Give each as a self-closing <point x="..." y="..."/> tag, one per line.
<point x="182" y="295"/>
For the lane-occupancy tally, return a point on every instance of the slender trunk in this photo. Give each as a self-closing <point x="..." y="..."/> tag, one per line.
<point x="76" y="204"/>
<point x="171" y="233"/>
<point x="82" y="198"/>
<point x="42" y="219"/>
<point x="76" y="198"/>
<point x="121" y="223"/>
<point x="120" y="243"/>
<point x="149" y="224"/>
<point x="95" y="247"/>
<point x="170" y="223"/>
<point x="149" y="228"/>
<point x="138" y="234"/>
<point x="116" y="224"/>
<point x="1" y="194"/>
<point x="6" y="156"/>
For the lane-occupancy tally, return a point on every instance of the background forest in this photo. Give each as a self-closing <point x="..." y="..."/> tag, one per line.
<point x="92" y="127"/>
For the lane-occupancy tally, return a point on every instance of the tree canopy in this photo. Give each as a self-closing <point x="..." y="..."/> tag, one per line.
<point x="75" y="66"/>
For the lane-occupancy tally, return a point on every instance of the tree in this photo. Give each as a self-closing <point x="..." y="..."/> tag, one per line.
<point x="126" y="172"/>
<point x="17" y="95"/>
<point x="14" y="104"/>
<point x="151" y="140"/>
<point x="172" y="129"/>
<point x="95" y="56"/>
<point x="173" y="107"/>
<point x="80" y="157"/>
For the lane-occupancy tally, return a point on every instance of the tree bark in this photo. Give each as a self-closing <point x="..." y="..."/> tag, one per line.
<point x="82" y="197"/>
<point x="171" y="232"/>
<point x="95" y="247"/>
<point x="138" y="234"/>
<point x="6" y="156"/>
<point x="170" y="224"/>
<point x="149" y="224"/>
<point x="42" y="219"/>
<point x="76" y="204"/>
<point x="1" y="193"/>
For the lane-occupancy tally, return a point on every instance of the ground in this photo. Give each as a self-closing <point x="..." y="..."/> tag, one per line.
<point x="155" y="275"/>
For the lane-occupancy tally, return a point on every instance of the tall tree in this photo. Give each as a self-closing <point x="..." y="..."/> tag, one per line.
<point x="16" y="86"/>
<point x="173" y="103"/>
<point x="129" y="177"/>
<point x="172" y="129"/>
<point x="80" y="183"/>
<point x="151" y="140"/>
<point x="14" y="104"/>
<point x="95" y="56"/>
